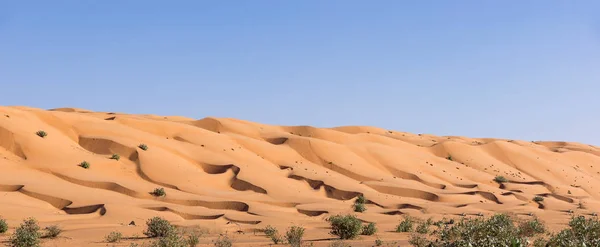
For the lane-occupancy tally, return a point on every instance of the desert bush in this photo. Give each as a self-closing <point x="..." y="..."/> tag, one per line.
<point x="172" y="239"/>
<point x="26" y="235"/>
<point x="294" y="236"/>
<point x="406" y="225"/>
<point x="115" y="157"/>
<point x="360" y="199"/>
<point x="419" y="240"/>
<point x="359" y="207"/>
<point x="41" y="133"/>
<point x="113" y="237"/>
<point x="369" y="230"/>
<point x="378" y="242"/>
<point x="423" y="228"/>
<point x="159" y="192"/>
<point x="143" y="147"/>
<point x="500" y="179"/>
<point x="346" y="227"/>
<point x="84" y="164"/>
<point x="222" y="241"/>
<point x="3" y="226"/>
<point x="158" y="227"/>
<point x="538" y="199"/>
<point x="273" y="234"/>
<point x="52" y="231"/>
<point x="339" y="243"/>
<point x="530" y="228"/>
<point x="581" y="232"/>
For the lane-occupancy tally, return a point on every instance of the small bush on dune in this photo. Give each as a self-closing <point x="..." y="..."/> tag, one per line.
<point x="273" y="234"/>
<point x="26" y="235"/>
<point x="538" y="199"/>
<point x="359" y="207"/>
<point x="581" y="232"/>
<point x="3" y="226"/>
<point x="531" y="227"/>
<point x="143" y="147"/>
<point x="115" y="157"/>
<point x="158" y="227"/>
<point x="41" y="133"/>
<point x="159" y="192"/>
<point x="500" y="179"/>
<point x="84" y="164"/>
<point x="52" y="231"/>
<point x="294" y="236"/>
<point x="360" y="199"/>
<point x="339" y="243"/>
<point x="346" y="227"/>
<point x="113" y="237"/>
<point x="369" y="230"/>
<point x="222" y="241"/>
<point x="406" y="225"/>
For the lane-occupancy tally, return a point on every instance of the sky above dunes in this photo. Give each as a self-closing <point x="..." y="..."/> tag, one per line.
<point x="526" y="70"/>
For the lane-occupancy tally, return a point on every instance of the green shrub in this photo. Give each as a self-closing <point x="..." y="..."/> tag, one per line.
<point x="449" y="157"/>
<point x="3" y="226"/>
<point x="158" y="192"/>
<point x="172" y="239"/>
<point x="369" y="230"/>
<point x="360" y="199"/>
<point x="419" y="240"/>
<point x="294" y="236"/>
<point x="406" y="225"/>
<point x="531" y="227"/>
<point x="158" y="227"/>
<point x="115" y="157"/>
<point x="52" y="231"/>
<point x="500" y="179"/>
<point x="339" y="243"/>
<point x="143" y="147"/>
<point x="359" y="207"/>
<point x="113" y="237"/>
<point x="538" y="199"/>
<point x="423" y="228"/>
<point x="41" y="133"/>
<point x="273" y="234"/>
<point x="26" y="235"/>
<point x="378" y="242"/>
<point x="84" y="164"/>
<point x="222" y="241"/>
<point x="581" y="232"/>
<point x="346" y="227"/>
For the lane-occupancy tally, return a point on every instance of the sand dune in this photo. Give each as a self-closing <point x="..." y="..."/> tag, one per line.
<point x="219" y="170"/>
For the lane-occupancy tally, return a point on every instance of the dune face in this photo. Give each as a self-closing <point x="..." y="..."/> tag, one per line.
<point x="216" y="170"/>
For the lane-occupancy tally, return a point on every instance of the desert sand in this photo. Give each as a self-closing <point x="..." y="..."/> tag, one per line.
<point x="234" y="177"/>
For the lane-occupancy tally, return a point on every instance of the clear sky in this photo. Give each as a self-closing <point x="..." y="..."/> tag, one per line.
<point x="526" y="70"/>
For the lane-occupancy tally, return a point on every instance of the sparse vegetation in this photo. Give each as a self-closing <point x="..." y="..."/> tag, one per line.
<point x="449" y="157"/>
<point x="143" y="147"/>
<point x="41" y="133"/>
<point x="294" y="236"/>
<point x="158" y="192"/>
<point x="3" y="226"/>
<point x="500" y="179"/>
<point x="115" y="157"/>
<point x="26" y="235"/>
<point x="158" y="227"/>
<point x="406" y="225"/>
<point x="222" y="241"/>
<point x="339" y="243"/>
<point x="273" y="234"/>
<point x="52" y="231"/>
<point x="581" y="232"/>
<point x="378" y="242"/>
<point x="113" y="237"/>
<point x="360" y="199"/>
<point x="538" y="199"/>
<point x="359" y="207"/>
<point x="423" y="228"/>
<point x="346" y="227"/>
<point x="85" y="164"/>
<point x="369" y="230"/>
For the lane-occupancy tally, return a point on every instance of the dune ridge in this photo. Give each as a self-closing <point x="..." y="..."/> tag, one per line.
<point x="228" y="170"/>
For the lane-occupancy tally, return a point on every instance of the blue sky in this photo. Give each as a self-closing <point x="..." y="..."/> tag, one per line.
<point x="525" y="70"/>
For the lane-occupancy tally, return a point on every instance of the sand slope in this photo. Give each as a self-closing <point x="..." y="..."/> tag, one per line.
<point x="230" y="174"/>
